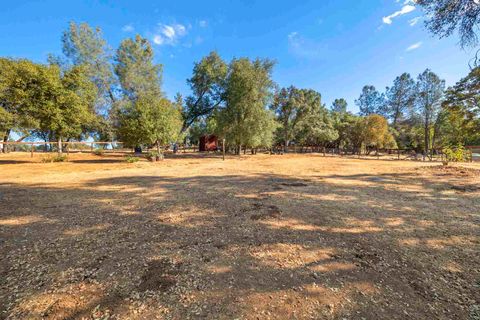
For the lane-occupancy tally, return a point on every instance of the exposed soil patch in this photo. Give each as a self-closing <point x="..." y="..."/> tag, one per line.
<point x="266" y="212"/>
<point x="159" y="276"/>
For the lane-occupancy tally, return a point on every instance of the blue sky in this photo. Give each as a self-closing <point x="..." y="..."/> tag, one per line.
<point x="332" y="46"/>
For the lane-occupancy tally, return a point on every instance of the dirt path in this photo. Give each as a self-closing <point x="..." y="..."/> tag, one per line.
<point x="260" y="237"/>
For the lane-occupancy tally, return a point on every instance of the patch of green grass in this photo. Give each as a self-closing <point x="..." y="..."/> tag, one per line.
<point x="57" y="158"/>
<point x="131" y="159"/>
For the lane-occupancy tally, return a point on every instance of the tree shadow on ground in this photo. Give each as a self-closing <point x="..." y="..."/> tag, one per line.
<point x="256" y="246"/>
<point x="9" y="161"/>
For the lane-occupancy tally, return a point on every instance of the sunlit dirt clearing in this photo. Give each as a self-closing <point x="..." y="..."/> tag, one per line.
<point x="255" y="237"/>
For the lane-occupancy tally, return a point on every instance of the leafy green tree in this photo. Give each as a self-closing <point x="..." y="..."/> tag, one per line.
<point x="137" y="73"/>
<point x="370" y="101"/>
<point x="400" y="98"/>
<point x="290" y="106"/>
<point x="429" y="94"/>
<point x="65" y="105"/>
<point x="317" y="127"/>
<point x="339" y="105"/>
<point x="143" y="116"/>
<point x="444" y="17"/>
<point x="148" y="120"/>
<point x="208" y="86"/>
<point x="84" y="46"/>
<point x="245" y="121"/>
<point x="343" y="124"/>
<point x="19" y="85"/>
<point x="461" y="111"/>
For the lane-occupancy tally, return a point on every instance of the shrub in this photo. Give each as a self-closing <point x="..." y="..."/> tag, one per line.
<point x="131" y="159"/>
<point x="98" y="152"/>
<point x="154" y="156"/>
<point x="454" y="154"/>
<point x="57" y="158"/>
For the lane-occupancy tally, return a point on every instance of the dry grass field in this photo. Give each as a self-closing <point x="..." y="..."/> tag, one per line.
<point x="255" y="237"/>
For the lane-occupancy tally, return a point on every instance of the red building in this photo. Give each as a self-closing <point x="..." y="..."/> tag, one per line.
<point x="208" y="142"/>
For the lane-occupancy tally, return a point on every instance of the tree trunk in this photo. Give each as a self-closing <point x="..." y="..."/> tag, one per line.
<point x="427" y="140"/>
<point x="159" y="151"/>
<point x="5" y="139"/>
<point x="60" y="146"/>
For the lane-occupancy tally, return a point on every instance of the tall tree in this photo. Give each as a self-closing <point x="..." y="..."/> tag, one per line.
<point x="339" y="105"/>
<point x="370" y="101"/>
<point x="429" y="93"/>
<point x="245" y="121"/>
<point x="290" y="105"/>
<point x="143" y="116"/>
<point x="136" y="71"/>
<point x="208" y="86"/>
<point x="85" y="46"/>
<point x="400" y="98"/>
<point x="444" y="17"/>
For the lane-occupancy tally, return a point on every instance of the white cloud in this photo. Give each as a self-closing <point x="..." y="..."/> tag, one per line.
<point x="157" y="39"/>
<point x="168" y="31"/>
<point x="405" y="9"/>
<point x="128" y="28"/>
<point x="414" y="21"/>
<point x="414" y="46"/>
<point x="169" y="34"/>
<point x="203" y="23"/>
<point x="292" y="35"/>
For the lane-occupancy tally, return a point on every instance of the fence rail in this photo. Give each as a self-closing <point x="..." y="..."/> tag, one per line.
<point x="117" y="146"/>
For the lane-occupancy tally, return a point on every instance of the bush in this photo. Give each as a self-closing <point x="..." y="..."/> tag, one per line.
<point x="98" y="152"/>
<point x="454" y="154"/>
<point x="154" y="156"/>
<point x="57" y="158"/>
<point x="131" y="159"/>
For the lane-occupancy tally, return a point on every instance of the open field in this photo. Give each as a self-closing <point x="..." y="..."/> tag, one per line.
<point x="255" y="237"/>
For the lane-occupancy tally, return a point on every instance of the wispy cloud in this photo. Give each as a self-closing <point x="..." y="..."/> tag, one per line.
<point x="304" y="47"/>
<point x="169" y="34"/>
<point x="203" y="23"/>
<point x="414" y="46"/>
<point x="128" y="28"/>
<point x="414" y="21"/>
<point x="407" y="8"/>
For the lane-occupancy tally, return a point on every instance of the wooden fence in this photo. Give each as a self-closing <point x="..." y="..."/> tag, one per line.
<point x="81" y="146"/>
<point x="117" y="146"/>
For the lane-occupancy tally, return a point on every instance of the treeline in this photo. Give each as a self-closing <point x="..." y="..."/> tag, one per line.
<point x="94" y="91"/>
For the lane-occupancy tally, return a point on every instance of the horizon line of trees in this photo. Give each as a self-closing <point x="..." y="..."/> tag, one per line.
<point x="91" y="91"/>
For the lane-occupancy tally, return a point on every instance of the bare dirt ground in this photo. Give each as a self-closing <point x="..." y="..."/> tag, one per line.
<point x="256" y="237"/>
